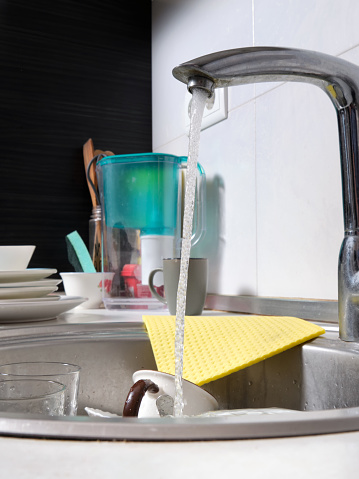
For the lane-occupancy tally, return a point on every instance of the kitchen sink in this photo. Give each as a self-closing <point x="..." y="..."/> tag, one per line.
<point x="316" y="384"/>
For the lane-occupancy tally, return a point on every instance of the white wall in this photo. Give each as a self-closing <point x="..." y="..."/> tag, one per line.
<point x="275" y="220"/>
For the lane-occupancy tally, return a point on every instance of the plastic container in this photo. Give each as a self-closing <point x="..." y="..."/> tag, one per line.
<point x="141" y="199"/>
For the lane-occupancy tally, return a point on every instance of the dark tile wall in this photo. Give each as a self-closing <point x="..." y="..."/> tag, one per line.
<point x="69" y="70"/>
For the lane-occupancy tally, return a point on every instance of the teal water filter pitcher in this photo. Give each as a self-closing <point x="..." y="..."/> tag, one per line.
<point x="141" y="197"/>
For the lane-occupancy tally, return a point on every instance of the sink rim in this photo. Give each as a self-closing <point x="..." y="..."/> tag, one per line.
<point x="293" y="424"/>
<point x="297" y="423"/>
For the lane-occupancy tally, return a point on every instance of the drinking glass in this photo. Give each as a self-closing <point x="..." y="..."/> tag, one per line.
<point x="64" y="373"/>
<point x="32" y="396"/>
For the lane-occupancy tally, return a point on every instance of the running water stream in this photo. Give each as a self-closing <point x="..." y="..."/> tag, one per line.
<point x="198" y="102"/>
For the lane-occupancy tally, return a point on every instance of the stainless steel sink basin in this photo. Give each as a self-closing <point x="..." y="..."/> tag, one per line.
<point x="319" y="381"/>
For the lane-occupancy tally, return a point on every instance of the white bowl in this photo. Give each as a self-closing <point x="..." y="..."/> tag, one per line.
<point x="87" y="285"/>
<point x="15" y="258"/>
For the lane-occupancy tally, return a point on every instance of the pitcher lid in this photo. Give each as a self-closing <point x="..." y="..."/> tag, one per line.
<point x="141" y="157"/>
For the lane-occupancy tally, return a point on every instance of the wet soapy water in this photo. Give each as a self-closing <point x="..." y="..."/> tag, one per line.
<point x="199" y="98"/>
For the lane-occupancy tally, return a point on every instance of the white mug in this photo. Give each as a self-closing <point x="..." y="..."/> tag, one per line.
<point x="150" y="387"/>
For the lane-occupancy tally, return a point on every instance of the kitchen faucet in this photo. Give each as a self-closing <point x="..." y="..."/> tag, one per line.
<point x="340" y="80"/>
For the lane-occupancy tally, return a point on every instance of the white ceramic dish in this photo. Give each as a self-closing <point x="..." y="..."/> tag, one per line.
<point x="15" y="257"/>
<point x="24" y="311"/>
<point x="31" y="274"/>
<point x="28" y="284"/>
<point x="88" y="285"/>
<point x="229" y="412"/>
<point x="196" y="399"/>
<point x="248" y="412"/>
<point x="21" y="293"/>
<point x="98" y="413"/>
<point x="49" y="297"/>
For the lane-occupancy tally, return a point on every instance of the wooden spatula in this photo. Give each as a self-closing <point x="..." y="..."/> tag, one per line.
<point x="89" y="153"/>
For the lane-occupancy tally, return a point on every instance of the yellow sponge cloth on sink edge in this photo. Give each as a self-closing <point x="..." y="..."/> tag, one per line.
<point x="215" y="346"/>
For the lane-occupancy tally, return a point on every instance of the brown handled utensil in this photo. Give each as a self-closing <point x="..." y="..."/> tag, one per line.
<point x="89" y="153"/>
<point x="135" y="396"/>
<point x="90" y="156"/>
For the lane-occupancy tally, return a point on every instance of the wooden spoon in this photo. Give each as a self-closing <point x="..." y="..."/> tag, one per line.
<point x="89" y="153"/>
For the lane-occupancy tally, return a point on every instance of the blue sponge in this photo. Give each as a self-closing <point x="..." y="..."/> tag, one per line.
<point x="78" y="254"/>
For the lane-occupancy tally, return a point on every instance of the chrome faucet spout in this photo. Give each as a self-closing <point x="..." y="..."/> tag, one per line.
<point x="339" y="79"/>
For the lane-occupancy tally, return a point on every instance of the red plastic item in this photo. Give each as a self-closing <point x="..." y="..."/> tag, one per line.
<point x="132" y="275"/>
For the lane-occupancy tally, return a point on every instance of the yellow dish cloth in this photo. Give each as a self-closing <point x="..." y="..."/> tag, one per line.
<point x="215" y="346"/>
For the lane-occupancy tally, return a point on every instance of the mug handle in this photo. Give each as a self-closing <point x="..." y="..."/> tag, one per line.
<point x="135" y="396"/>
<point x="151" y="286"/>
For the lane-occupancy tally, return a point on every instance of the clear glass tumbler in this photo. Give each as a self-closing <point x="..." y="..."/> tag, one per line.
<point x="32" y="396"/>
<point x="64" y="373"/>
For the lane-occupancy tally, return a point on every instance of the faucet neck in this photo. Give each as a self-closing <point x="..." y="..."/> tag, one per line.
<point x="348" y="144"/>
<point x="240" y="66"/>
<point x="338" y="78"/>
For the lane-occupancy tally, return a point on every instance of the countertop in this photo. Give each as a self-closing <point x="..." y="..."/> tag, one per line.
<point x="331" y="456"/>
<point x="323" y="456"/>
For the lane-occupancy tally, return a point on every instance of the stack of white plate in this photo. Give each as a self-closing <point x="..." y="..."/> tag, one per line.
<point x="29" y="283"/>
<point x="28" y="295"/>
